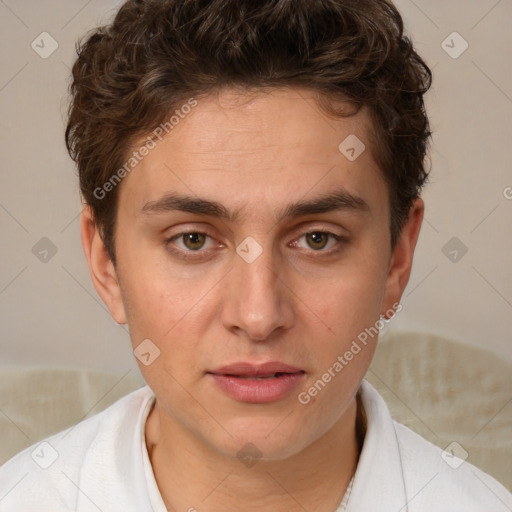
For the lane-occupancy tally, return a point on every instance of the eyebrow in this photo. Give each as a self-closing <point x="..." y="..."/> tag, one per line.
<point x="335" y="201"/>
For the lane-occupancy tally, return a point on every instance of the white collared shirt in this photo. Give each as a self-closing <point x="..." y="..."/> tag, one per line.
<point x="102" y="464"/>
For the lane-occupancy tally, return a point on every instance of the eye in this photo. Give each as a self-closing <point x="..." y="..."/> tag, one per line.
<point x="193" y="241"/>
<point x="319" y="240"/>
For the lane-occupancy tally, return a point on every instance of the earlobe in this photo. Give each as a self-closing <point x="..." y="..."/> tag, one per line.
<point x="401" y="259"/>
<point x="101" y="268"/>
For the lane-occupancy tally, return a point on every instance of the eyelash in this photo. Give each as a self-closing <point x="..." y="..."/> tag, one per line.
<point x="190" y="254"/>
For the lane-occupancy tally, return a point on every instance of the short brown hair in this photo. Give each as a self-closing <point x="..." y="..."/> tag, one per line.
<point x="157" y="53"/>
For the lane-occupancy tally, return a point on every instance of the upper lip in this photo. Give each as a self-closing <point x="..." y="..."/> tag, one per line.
<point x="255" y="370"/>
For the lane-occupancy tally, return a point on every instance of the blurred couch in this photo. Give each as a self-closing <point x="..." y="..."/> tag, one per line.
<point x="444" y="390"/>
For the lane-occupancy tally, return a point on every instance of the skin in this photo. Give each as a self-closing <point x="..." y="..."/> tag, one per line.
<point x="255" y="153"/>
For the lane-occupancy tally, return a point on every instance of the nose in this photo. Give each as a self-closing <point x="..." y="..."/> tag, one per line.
<point x="257" y="301"/>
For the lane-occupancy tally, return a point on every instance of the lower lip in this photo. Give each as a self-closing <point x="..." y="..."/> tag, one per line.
<point x="258" y="391"/>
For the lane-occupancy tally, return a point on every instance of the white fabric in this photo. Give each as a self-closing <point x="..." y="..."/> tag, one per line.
<point x="102" y="464"/>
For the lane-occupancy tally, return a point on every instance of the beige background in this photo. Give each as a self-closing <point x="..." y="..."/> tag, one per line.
<point x="49" y="311"/>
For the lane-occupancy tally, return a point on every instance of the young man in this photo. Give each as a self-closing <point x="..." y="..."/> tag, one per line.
<point x="251" y="175"/>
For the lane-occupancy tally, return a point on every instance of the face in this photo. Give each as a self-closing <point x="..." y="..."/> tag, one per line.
<point x="252" y="252"/>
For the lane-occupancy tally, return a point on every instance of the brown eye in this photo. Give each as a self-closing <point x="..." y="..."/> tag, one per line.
<point x="322" y="242"/>
<point x="192" y="245"/>
<point x="317" y="240"/>
<point x="193" y="241"/>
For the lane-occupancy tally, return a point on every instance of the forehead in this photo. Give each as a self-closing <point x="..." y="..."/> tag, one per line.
<point x="239" y="147"/>
<point x="273" y="120"/>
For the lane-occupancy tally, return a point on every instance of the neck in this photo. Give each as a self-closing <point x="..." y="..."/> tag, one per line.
<point x="192" y="476"/>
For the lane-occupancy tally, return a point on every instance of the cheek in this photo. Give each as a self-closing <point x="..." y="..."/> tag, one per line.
<point x="151" y="306"/>
<point x="344" y="355"/>
<point x="355" y="298"/>
<point x="169" y="315"/>
<point x="160" y="296"/>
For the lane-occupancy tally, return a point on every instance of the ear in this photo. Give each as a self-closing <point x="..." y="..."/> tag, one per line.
<point x="103" y="272"/>
<point x="401" y="258"/>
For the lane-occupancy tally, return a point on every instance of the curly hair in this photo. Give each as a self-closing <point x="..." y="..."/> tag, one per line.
<point x="156" y="54"/>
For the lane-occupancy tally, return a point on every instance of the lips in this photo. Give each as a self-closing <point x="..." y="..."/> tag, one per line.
<point x="257" y="383"/>
<point x="249" y="370"/>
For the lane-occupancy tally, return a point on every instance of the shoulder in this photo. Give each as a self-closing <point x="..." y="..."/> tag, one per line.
<point x="47" y="475"/>
<point x="414" y="475"/>
<point x="437" y="479"/>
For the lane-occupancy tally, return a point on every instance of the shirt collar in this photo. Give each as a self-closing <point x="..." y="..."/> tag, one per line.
<point x="113" y="466"/>
<point x="379" y="484"/>
<point x="157" y="502"/>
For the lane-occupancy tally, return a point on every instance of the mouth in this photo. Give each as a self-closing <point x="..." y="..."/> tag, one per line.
<point x="251" y="383"/>
<point x="260" y="377"/>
